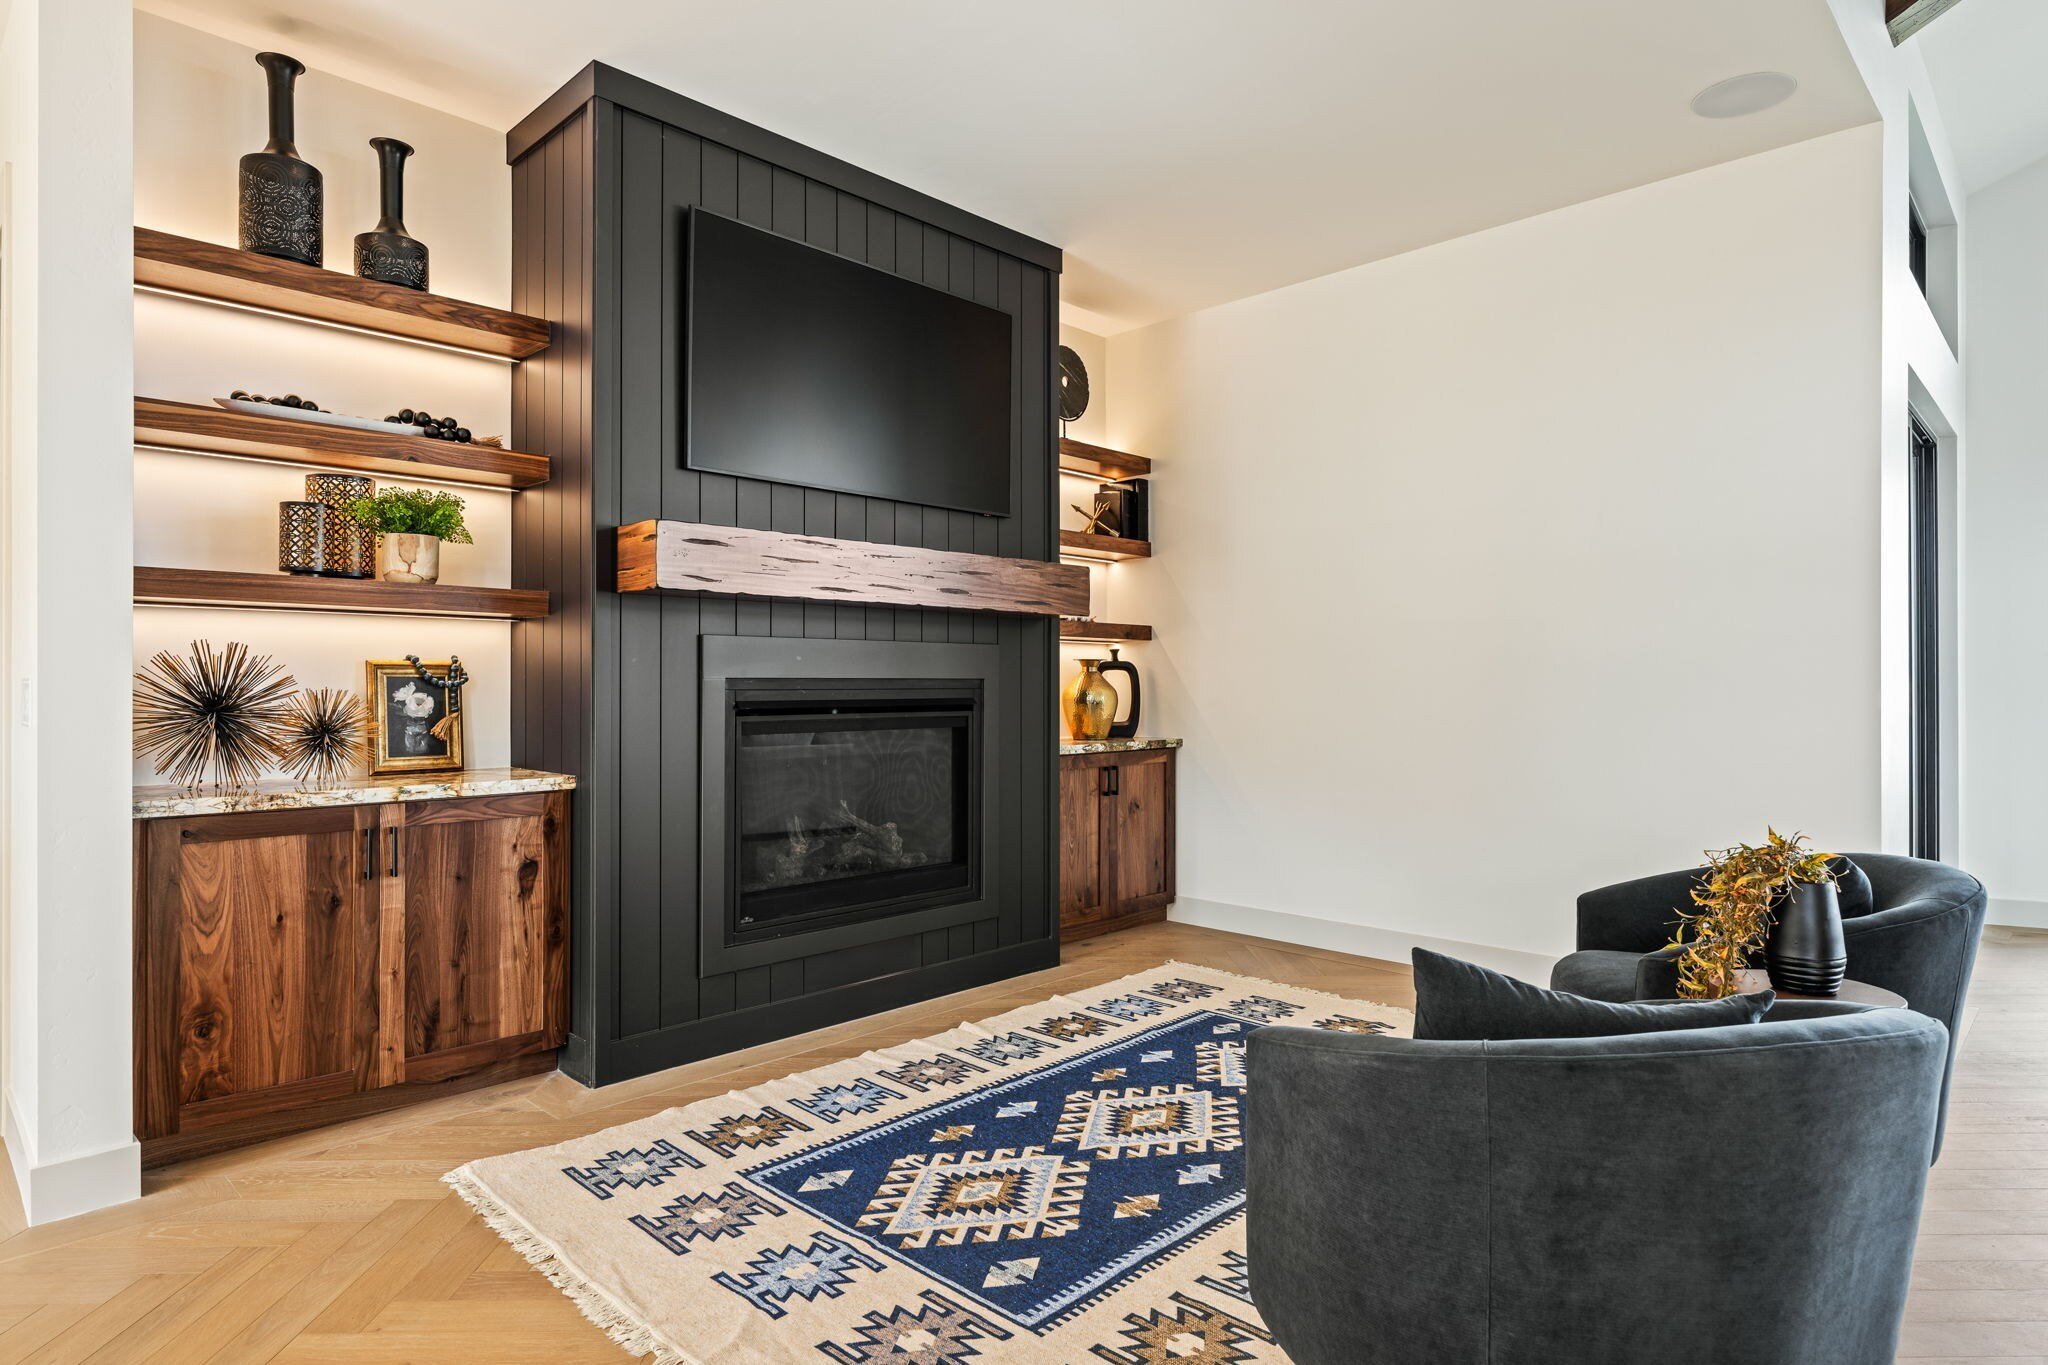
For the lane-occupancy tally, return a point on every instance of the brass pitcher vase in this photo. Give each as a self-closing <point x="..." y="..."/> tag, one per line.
<point x="1089" y="702"/>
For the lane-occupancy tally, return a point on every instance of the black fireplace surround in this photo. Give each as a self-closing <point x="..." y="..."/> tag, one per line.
<point x="788" y="813"/>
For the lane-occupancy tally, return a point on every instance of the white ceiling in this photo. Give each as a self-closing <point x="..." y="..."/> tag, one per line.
<point x="1988" y="60"/>
<point x="1184" y="152"/>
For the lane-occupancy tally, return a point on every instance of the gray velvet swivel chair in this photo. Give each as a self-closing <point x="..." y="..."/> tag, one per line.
<point x="1916" y="934"/>
<point x="1711" y="1195"/>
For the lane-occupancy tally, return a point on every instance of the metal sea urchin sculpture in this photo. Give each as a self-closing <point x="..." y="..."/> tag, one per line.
<point x="221" y="712"/>
<point x="324" y="735"/>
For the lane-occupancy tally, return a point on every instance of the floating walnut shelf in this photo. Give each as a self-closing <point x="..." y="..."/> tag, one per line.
<point x="294" y="592"/>
<point x="225" y="275"/>
<point x="1100" y="462"/>
<point x="1107" y="631"/>
<point x="676" y="556"/>
<point x="1104" y="547"/>
<point x="205" y="430"/>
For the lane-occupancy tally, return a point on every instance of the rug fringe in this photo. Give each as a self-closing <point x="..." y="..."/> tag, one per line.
<point x="627" y="1331"/>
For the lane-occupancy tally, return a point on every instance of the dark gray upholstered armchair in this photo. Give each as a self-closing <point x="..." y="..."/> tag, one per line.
<point x="1918" y="937"/>
<point x="1711" y="1195"/>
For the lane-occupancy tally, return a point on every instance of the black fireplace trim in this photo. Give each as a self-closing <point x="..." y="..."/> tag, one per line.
<point x="740" y="692"/>
<point x="757" y="661"/>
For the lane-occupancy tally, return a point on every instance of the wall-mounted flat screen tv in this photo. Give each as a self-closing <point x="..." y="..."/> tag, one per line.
<point x="809" y="368"/>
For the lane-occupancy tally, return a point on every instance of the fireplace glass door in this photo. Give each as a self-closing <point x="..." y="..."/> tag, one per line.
<point x="847" y="807"/>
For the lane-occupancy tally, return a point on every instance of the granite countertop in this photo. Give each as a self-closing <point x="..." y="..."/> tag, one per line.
<point x="281" y="794"/>
<point x="1114" y="746"/>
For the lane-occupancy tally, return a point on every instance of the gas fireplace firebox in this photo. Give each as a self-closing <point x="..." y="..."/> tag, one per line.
<point x="850" y="801"/>
<point x="848" y="797"/>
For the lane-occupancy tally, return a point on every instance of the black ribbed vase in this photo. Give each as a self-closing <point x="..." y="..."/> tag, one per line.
<point x="1806" y="954"/>
<point x="388" y="252"/>
<point x="280" y="193"/>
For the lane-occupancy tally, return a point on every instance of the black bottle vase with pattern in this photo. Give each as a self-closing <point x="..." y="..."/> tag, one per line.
<point x="1806" y="953"/>
<point x="281" y="192"/>
<point x="388" y="252"/>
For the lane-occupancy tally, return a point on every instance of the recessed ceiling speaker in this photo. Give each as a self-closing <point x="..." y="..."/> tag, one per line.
<point x="1740" y="96"/>
<point x="1073" y="385"/>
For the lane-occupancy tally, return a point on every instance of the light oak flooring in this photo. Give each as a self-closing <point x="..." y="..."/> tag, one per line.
<point x="342" y="1245"/>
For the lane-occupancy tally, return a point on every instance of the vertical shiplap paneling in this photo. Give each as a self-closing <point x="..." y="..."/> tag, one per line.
<point x="1038" y="789"/>
<point x="788" y="208"/>
<point x="591" y="625"/>
<point x="937" y="521"/>
<point x="681" y="177"/>
<point x="988" y="530"/>
<point x="718" y="494"/>
<point x="553" y="277"/>
<point x="850" y="511"/>
<point x="1010" y="632"/>
<point x="821" y="506"/>
<point x="959" y="524"/>
<point x="640" y="354"/>
<point x="881" y="253"/>
<point x="756" y="207"/>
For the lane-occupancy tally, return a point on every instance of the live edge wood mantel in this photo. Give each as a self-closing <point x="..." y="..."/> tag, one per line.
<point x="679" y="556"/>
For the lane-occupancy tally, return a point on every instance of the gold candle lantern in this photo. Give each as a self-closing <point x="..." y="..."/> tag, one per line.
<point x="351" y="547"/>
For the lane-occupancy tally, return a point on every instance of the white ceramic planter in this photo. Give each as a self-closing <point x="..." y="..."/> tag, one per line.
<point x="410" y="559"/>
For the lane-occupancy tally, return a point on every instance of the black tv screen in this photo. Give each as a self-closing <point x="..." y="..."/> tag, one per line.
<point x="809" y="368"/>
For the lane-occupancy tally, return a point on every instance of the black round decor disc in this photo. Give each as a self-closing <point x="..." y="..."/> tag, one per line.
<point x="1073" y="385"/>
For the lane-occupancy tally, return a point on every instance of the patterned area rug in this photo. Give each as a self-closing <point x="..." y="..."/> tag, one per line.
<point x="1060" y="1184"/>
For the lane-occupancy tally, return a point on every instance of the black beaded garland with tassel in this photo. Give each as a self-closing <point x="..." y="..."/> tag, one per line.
<point x="324" y="735"/>
<point x="219" y="712"/>
<point x="452" y="685"/>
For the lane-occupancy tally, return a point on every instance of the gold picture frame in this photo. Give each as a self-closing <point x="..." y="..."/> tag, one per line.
<point x="403" y="714"/>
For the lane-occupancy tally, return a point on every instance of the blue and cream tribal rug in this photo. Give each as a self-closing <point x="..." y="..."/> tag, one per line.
<point x="1062" y="1184"/>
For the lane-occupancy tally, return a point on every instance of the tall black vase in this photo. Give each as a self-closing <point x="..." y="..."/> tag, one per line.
<point x="388" y="252"/>
<point x="1806" y="953"/>
<point x="280" y="193"/>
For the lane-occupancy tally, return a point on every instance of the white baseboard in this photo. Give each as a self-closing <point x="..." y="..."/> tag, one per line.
<point x="1362" y="940"/>
<point x="75" y="1185"/>
<point x="2017" y="914"/>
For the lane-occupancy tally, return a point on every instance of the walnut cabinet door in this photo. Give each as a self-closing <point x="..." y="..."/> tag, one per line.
<point x="484" y="951"/>
<point x="257" y="965"/>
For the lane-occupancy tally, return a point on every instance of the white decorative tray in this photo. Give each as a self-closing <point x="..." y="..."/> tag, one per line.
<point x="332" y="419"/>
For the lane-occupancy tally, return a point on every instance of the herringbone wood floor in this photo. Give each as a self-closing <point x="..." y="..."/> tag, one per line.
<point x="343" y="1246"/>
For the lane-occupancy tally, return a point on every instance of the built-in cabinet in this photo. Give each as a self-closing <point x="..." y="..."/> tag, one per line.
<point x="294" y="967"/>
<point x="1116" y="840"/>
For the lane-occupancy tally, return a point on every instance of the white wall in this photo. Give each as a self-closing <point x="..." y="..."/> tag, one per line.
<point x="64" y="134"/>
<point x="199" y="105"/>
<point x="2005" y="552"/>
<point x="1524" y="562"/>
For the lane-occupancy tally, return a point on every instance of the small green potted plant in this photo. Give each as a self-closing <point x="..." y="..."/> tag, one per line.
<point x="412" y="523"/>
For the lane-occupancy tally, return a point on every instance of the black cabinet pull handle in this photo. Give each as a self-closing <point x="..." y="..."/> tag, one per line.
<point x="391" y="837"/>
<point x="369" y="852"/>
<point x="1116" y="780"/>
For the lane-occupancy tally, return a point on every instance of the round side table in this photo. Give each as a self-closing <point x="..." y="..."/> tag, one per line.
<point x="1852" y="992"/>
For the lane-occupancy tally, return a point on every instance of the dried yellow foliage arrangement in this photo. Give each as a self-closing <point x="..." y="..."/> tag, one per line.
<point x="1734" y="907"/>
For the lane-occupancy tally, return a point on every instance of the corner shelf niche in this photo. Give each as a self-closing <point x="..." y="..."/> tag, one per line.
<point x="200" y="430"/>
<point x="162" y="587"/>
<point x="223" y="274"/>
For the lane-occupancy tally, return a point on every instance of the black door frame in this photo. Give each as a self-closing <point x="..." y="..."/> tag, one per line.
<point x="1924" y="539"/>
